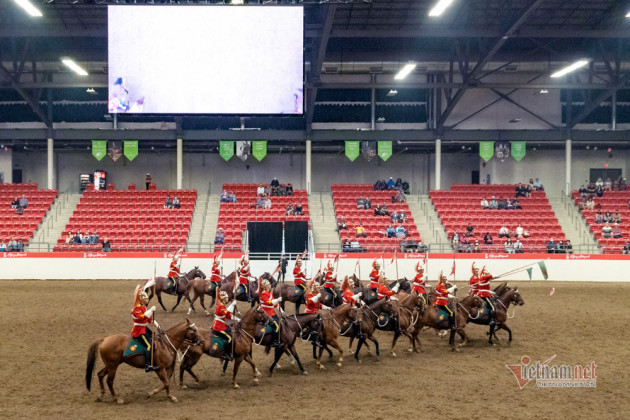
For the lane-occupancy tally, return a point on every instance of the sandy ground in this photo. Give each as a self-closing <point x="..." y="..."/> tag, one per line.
<point x="48" y="326"/>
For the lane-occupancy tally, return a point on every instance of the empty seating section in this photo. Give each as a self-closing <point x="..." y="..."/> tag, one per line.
<point x="23" y="226"/>
<point x="133" y="220"/>
<point x="462" y="205"/>
<point x="233" y="217"/>
<point x="345" y="198"/>
<point x="611" y="201"/>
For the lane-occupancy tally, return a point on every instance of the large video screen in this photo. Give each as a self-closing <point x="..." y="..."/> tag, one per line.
<point x="206" y="59"/>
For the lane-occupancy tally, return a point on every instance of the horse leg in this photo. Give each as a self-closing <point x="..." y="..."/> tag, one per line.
<point x="214" y="297"/>
<point x="237" y="363"/>
<point x="159" y="296"/>
<point x="506" y="328"/>
<point x="336" y="346"/>
<point x="276" y="357"/>
<point x="225" y="365"/>
<point x="378" y="351"/>
<point x="203" y="304"/>
<point x="101" y="375"/>
<point x="491" y="333"/>
<point x="394" y="343"/>
<point x="463" y="335"/>
<point x="318" y="360"/>
<point x="297" y="359"/>
<point x="255" y="371"/>
<point x="359" y="345"/>
<point x="179" y="298"/>
<point x="111" y="375"/>
<point x="350" y="346"/>
<point x="192" y="303"/>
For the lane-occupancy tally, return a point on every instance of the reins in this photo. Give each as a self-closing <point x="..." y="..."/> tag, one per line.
<point x="177" y="351"/>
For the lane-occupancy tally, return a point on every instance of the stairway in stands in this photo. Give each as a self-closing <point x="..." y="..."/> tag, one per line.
<point x="428" y="223"/>
<point x="325" y="236"/>
<point x="49" y="231"/>
<point x="204" y="223"/>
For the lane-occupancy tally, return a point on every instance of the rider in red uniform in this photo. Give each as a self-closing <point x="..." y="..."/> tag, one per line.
<point x="269" y="305"/>
<point x="330" y="280"/>
<point x="243" y="276"/>
<point x="474" y="280"/>
<point x="441" y="300"/>
<point x="221" y="315"/>
<point x="420" y="282"/>
<point x="173" y="271"/>
<point x="299" y="278"/>
<point x="313" y="305"/>
<point x="348" y="291"/>
<point x="215" y="277"/>
<point x="375" y="276"/>
<point x="143" y="317"/>
<point x="483" y="291"/>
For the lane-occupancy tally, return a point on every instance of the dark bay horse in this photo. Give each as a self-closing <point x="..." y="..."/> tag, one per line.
<point x="287" y="292"/>
<point x="166" y="345"/>
<point x="244" y="335"/>
<point x="405" y="286"/>
<point x="502" y="303"/>
<point x="202" y="287"/>
<point x="253" y="296"/>
<point x="181" y="289"/>
<point x="290" y="330"/>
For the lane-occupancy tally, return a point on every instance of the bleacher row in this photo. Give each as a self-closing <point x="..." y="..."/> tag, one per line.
<point x="611" y="201"/>
<point x="462" y="205"/>
<point x="345" y="198"/>
<point x="23" y="226"/>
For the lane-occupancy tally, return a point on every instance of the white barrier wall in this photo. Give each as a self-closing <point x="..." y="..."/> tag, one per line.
<point x="65" y="266"/>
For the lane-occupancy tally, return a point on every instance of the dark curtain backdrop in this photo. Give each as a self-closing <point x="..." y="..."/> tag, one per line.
<point x="265" y="236"/>
<point x="295" y="236"/>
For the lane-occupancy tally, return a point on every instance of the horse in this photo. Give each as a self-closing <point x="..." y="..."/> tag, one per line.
<point x="502" y="304"/>
<point x="182" y="286"/>
<point x="253" y="296"/>
<point x="243" y="337"/>
<point x="331" y="320"/>
<point x="166" y="346"/>
<point x="290" y="330"/>
<point x="287" y="292"/>
<point x="404" y="286"/>
<point x="202" y="287"/>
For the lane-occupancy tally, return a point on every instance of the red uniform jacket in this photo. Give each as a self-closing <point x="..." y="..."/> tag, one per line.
<point x="474" y="284"/>
<point x="419" y="283"/>
<point x="298" y="277"/>
<point x="441" y="295"/>
<point x="347" y="296"/>
<point x="220" y="316"/>
<point x="330" y="282"/>
<point x="483" y="287"/>
<point x="384" y="292"/>
<point x="312" y="307"/>
<point x="216" y="274"/>
<point x="140" y="321"/>
<point x="266" y="304"/>
<point x="173" y="270"/>
<point x="243" y="275"/>
<point x="375" y="276"/>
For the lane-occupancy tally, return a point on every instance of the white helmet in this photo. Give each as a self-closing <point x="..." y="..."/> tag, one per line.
<point x="265" y="283"/>
<point x="223" y="295"/>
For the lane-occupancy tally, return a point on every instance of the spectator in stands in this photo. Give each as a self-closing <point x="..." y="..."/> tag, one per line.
<point x="15" y="202"/>
<point x="391" y="183"/>
<point x="599" y="191"/>
<point x="501" y="204"/>
<point x="583" y="191"/>
<point x="341" y="224"/>
<point x="219" y="238"/>
<point x="378" y="211"/>
<point x="608" y="184"/>
<point x="476" y="247"/>
<point x="493" y="204"/>
<point x="377" y="185"/>
<point x="69" y="238"/>
<point x="622" y="184"/>
<point x="12" y="245"/>
<point x="289" y="189"/>
<point x="290" y="210"/>
<point x="361" y="203"/>
<point x="360" y="231"/>
<point x="232" y="196"/>
<point x="399" y="197"/>
<point x="93" y="238"/>
<point x="394" y="217"/>
<point x="519" y="191"/>
<point x="275" y="186"/>
<point x="168" y="203"/>
<point x="455" y="239"/>
<point x="298" y="210"/>
<point x="355" y="246"/>
<point x="625" y="251"/>
<point x="176" y="204"/>
<point x="484" y="203"/>
<point x="599" y="217"/>
<point x="568" y="247"/>
<point x="260" y="191"/>
<point x="590" y="204"/>
<point x="345" y="246"/>
<point x="509" y="246"/>
<point x="85" y="238"/>
<point x="390" y="231"/>
<point x="77" y="239"/>
<point x="267" y="190"/>
<point x="606" y="231"/>
<point x="19" y="210"/>
<point x="504" y="232"/>
<point x="401" y="232"/>
<point x="259" y="202"/>
<point x="608" y="217"/>
<point x="487" y="239"/>
<point x="470" y="230"/>
<point x="147" y="181"/>
<point x="266" y="202"/>
<point x="519" y="231"/>
<point x="562" y="248"/>
<point x="552" y="247"/>
<point x="225" y="197"/>
<point x="616" y="217"/>
<point x="538" y="186"/>
<point x="23" y="202"/>
<point x="399" y="184"/>
<point x="107" y="247"/>
<point x="368" y="203"/>
<point x="3" y="246"/>
<point x="20" y="246"/>
<point x="616" y="231"/>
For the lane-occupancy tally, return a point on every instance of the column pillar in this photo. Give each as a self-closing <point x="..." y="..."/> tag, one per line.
<point x="567" y="168"/>
<point x="180" y="177"/>
<point x="438" y="163"/>
<point x="308" y="166"/>
<point x="51" y="156"/>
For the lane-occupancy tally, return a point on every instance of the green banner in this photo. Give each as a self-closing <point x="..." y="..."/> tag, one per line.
<point x="518" y="150"/>
<point x="226" y="149"/>
<point x="529" y="272"/>
<point x="543" y="269"/>
<point x="352" y="149"/>
<point x="486" y="150"/>
<point x="99" y="149"/>
<point x="130" y="149"/>
<point x="259" y="149"/>
<point x="385" y="149"/>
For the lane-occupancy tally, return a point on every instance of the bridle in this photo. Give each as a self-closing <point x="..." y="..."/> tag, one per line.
<point x="176" y="351"/>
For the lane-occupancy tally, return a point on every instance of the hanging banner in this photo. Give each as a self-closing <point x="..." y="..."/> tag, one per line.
<point x="130" y="148"/>
<point x="368" y="150"/>
<point x="518" y="150"/>
<point x="543" y="270"/>
<point x="115" y="150"/>
<point x="226" y="149"/>
<point x="243" y="149"/>
<point x="259" y="149"/>
<point x="529" y="273"/>
<point x="385" y="149"/>
<point x="352" y="150"/>
<point x="486" y="150"/>
<point x="99" y="149"/>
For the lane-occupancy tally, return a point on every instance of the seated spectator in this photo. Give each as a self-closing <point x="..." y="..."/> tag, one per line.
<point x="606" y="231"/>
<point x="394" y="217"/>
<point x="23" y="202"/>
<point x="608" y="184"/>
<point x="260" y="190"/>
<point x="509" y="246"/>
<point x="616" y="231"/>
<point x="401" y="232"/>
<point x="516" y="205"/>
<point x="345" y="246"/>
<point x="470" y="230"/>
<point x="360" y="231"/>
<point x="361" y="204"/>
<point x="268" y="191"/>
<point x="538" y="186"/>
<point x="608" y="217"/>
<point x="390" y="232"/>
<point x="476" y="247"/>
<point x="487" y="239"/>
<point x="232" y="197"/>
<point x="493" y="204"/>
<point x="616" y="217"/>
<point x="259" y="202"/>
<point x="622" y="185"/>
<point x="377" y="185"/>
<point x="290" y="210"/>
<point x="562" y="248"/>
<point x="599" y="191"/>
<point x="528" y="190"/>
<point x="93" y="238"/>
<point x="583" y="191"/>
<point x="20" y="246"/>
<point x="3" y="246"/>
<point x="77" y="239"/>
<point x="368" y="203"/>
<point x="219" y="238"/>
<point x="399" y="197"/>
<point x="484" y="203"/>
<point x="504" y="232"/>
<point x="225" y="197"/>
<point x="568" y="247"/>
<point x="590" y="204"/>
<point x="69" y="238"/>
<point x="519" y="231"/>
<point x="455" y="238"/>
<point x="176" y="204"/>
<point x="625" y="251"/>
<point x="552" y="247"/>
<point x="19" y="210"/>
<point x="341" y="224"/>
<point x="298" y="210"/>
<point x="266" y="202"/>
<point x="168" y="203"/>
<point x="355" y="247"/>
<point x="501" y="204"/>
<point x="15" y="202"/>
<point x="107" y="247"/>
<point x="409" y="245"/>
<point x="288" y="189"/>
<point x="590" y="188"/>
<point x="12" y="245"/>
<point x="518" y="247"/>
<point x="391" y="183"/>
<point x="520" y="191"/>
<point x="599" y="217"/>
<point x="405" y="187"/>
<point x="274" y="183"/>
<point x="399" y="184"/>
<point x="85" y="238"/>
<point x="381" y="210"/>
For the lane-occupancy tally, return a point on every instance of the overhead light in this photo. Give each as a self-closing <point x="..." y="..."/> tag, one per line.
<point x="237" y="2"/>
<point x="405" y="71"/>
<point x="439" y="8"/>
<point x="91" y="91"/>
<point x="628" y="15"/>
<point x="543" y="91"/>
<point x="74" y="67"/>
<point x="30" y="9"/>
<point x="514" y="120"/>
<point x="392" y="92"/>
<point x="570" y="68"/>
<point x="381" y="119"/>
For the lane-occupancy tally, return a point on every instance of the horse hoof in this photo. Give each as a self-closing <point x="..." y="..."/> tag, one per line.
<point x="393" y="354"/>
<point x="292" y="361"/>
<point x="359" y="360"/>
<point x="369" y="353"/>
<point x="410" y="349"/>
<point x="183" y="387"/>
<point x="256" y="381"/>
<point x="207" y="313"/>
<point x="99" y="398"/>
<point x="338" y="364"/>
<point x="351" y="351"/>
<point x="278" y="366"/>
<point x="236" y="386"/>
<point x="321" y="367"/>
<point x="304" y="372"/>
<point x="173" y="399"/>
<point x="120" y="401"/>
<point x="222" y="373"/>
<point x="258" y="374"/>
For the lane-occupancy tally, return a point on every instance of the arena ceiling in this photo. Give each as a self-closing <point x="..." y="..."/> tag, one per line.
<point x="352" y="46"/>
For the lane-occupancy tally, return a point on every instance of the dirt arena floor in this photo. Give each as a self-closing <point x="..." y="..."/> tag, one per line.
<point x="48" y="326"/>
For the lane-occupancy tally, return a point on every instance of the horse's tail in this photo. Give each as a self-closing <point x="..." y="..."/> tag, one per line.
<point x="91" y="361"/>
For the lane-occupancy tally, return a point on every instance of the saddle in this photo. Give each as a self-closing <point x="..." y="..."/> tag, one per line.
<point x="135" y="347"/>
<point x="297" y="292"/>
<point x="219" y="345"/>
<point x="242" y="293"/>
<point x="170" y="286"/>
<point x="212" y="286"/>
<point x="485" y="309"/>
<point x="329" y="299"/>
<point x="442" y="315"/>
<point x="371" y="297"/>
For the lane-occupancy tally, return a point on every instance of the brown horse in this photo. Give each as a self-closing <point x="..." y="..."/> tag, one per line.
<point x="181" y="289"/>
<point x="331" y="320"/>
<point x="253" y="297"/>
<point x="290" y="330"/>
<point x="244" y="335"/>
<point x="201" y="287"/>
<point x="167" y="343"/>
<point x="502" y="303"/>
<point x="287" y="292"/>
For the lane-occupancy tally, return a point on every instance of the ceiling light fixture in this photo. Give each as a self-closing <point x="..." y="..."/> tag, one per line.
<point x="404" y="72"/>
<point x="30" y="9"/>
<point x="570" y="68"/>
<point x="439" y="8"/>
<point x="628" y="15"/>
<point x="543" y="91"/>
<point x="74" y="66"/>
<point x="91" y="91"/>
<point x="392" y="92"/>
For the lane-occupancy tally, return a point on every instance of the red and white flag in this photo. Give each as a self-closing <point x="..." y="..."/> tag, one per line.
<point x="453" y="269"/>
